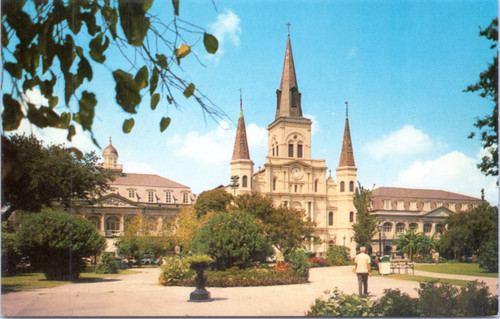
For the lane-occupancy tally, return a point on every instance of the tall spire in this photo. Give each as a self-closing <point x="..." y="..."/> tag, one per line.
<point x="288" y="95"/>
<point x="240" y="150"/>
<point x="347" y="154"/>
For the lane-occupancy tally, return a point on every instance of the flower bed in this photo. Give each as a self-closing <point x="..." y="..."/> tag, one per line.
<point x="319" y="262"/>
<point x="281" y="274"/>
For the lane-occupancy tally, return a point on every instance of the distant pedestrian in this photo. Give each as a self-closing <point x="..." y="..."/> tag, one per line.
<point x="363" y="269"/>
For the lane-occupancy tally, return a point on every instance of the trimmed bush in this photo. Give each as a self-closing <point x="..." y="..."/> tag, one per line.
<point x="107" y="264"/>
<point x="338" y="255"/>
<point x="488" y="255"/>
<point x="338" y="304"/>
<point x="173" y="271"/>
<point x="300" y="263"/>
<point x="56" y="242"/>
<point x="233" y="239"/>
<point x="397" y="304"/>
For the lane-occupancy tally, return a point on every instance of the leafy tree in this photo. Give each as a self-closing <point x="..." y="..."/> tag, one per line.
<point x="215" y="200"/>
<point x="48" y="45"/>
<point x="467" y="231"/>
<point x="142" y="237"/>
<point x="56" y="242"/>
<point x="107" y="264"/>
<point x="488" y="88"/>
<point x="186" y="227"/>
<point x="34" y="175"/>
<point x="338" y="255"/>
<point x="233" y="239"/>
<point x="488" y="255"/>
<point x="288" y="229"/>
<point x="413" y="244"/>
<point x="366" y="223"/>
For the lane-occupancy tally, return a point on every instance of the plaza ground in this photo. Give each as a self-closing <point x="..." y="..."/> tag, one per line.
<point x="140" y="295"/>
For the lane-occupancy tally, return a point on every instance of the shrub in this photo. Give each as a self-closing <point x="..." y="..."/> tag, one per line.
<point x="397" y="304"/>
<point x="341" y="305"/>
<point x="233" y="239"/>
<point x="300" y="263"/>
<point x="107" y="264"/>
<point x="56" y="242"/>
<point x="338" y="255"/>
<point x="173" y="271"/>
<point x="10" y="253"/>
<point x="488" y="255"/>
<point x="319" y="262"/>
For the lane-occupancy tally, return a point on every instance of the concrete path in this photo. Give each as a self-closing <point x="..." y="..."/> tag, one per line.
<point x="140" y="295"/>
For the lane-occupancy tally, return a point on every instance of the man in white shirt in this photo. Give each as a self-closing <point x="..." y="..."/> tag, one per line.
<point x="363" y="269"/>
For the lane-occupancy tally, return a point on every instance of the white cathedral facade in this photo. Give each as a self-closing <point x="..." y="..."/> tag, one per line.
<point x="291" y="177"/>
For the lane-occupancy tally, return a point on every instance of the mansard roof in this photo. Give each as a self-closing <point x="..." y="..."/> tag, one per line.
<point x="144" y="180"/>
<point x="399" y="192"/>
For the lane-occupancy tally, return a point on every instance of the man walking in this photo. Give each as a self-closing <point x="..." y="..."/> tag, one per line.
<point x="363" y="269"/>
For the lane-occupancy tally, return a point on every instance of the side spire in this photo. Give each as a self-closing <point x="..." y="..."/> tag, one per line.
<point x="347" y="154"/>
<point x="240" y="150"/>
<point x="288" y="95"/>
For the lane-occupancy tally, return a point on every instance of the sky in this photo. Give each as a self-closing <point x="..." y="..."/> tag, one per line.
<point x="401" y="65"/>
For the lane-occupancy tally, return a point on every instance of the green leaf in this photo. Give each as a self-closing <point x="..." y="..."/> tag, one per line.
<point x="154" y="100"/>
<point x="127" y="92"/>
<point x="141" y="78"/>
<point x="133" y="20"/>
<point x="153" y="83"/>
<point x="85" y="116"/>
<point x="77" y="152"/>
<point x="97" y="48"/>
<point x="211" y="43"/>
<point x="164" y="123"/>
<point x="128" y="125"/>
<point x="162" y="61"/>
<point x="84" y="70"/>
<point x="175" y="3"/>
<point x="15" y="70"/>
<point x="189" y="91"/>
<point x="12" y="113"/>
<point x="71" y="132"/>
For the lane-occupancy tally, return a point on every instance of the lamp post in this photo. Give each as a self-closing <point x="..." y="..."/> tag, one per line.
<point x="383" y="243"/>
<point x="379" y="228"/>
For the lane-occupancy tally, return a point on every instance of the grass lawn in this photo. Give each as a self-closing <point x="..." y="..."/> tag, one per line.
<point x="455" y="282"/>
<point x="37" y="280"/>
<point x="456" y="269"/>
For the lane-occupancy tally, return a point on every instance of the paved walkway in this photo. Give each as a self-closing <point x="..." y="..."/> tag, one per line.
<point x="140" y="295"/>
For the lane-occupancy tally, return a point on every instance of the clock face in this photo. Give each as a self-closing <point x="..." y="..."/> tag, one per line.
<point x="296" y="172"/>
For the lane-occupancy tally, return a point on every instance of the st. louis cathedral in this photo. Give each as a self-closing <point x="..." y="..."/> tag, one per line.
<point x="290" y="176"/>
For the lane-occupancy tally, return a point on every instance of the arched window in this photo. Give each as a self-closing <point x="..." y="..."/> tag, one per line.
<point x="315" y="185"/>
<point x="244" y="181"/>
<point x="387" y="227"/>
<point x="342" y="187"/>
<point x="439" y="228"/>
<point x="95" y="221"/>
<point x="330" y="218"/>
<point x="299" y="150"/>
<point x="427" y="228"/>
<point x="274" y="184"/>
<point x="400" y="228"/>
<point x="351" y="217"/>
<point x="112" y="225"/>
<point x="413" y="226"/>
<point x="351" y="186"/>
<point x="290" y="150"/>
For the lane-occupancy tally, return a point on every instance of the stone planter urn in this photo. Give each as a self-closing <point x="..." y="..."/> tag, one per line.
<point x="200" y="293"/>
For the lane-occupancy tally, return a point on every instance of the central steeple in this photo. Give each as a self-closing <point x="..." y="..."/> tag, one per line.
<point x="288" y="95"/>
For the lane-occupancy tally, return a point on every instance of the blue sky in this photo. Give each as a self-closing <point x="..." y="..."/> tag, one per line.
<point x="402" y="65"/>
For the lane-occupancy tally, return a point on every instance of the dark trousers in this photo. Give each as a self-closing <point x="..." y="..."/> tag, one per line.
<point x="363" y="283"/>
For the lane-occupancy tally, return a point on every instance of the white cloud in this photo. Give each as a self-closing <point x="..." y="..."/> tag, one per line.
<point x="315" y="123"/>
<point x="216" y="147"/>
<point x="227" y="27"/>
<point x="406" y="141"/>
<point x="135" y="167"/>
<point x="455" y="172"/>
